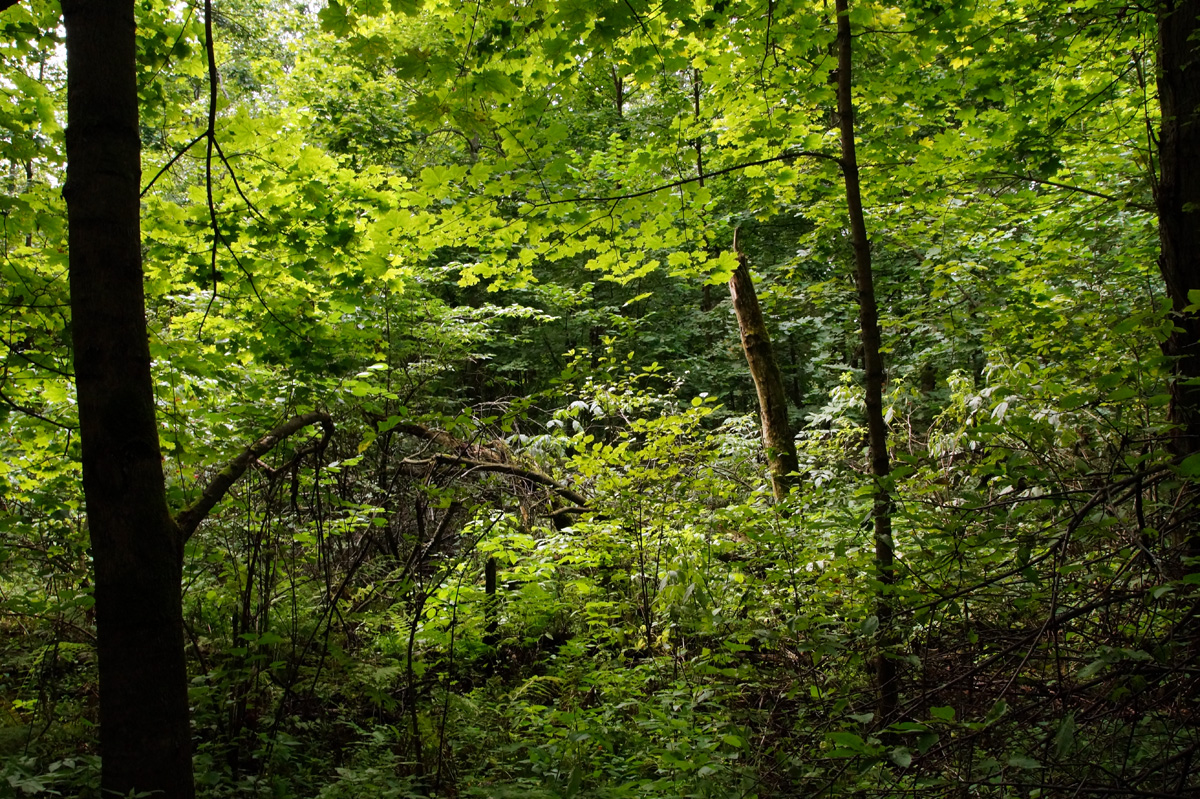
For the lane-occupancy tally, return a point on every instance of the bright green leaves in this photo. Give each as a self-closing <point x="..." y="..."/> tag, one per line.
<point x="340" y="19"/>
<point x="493" y="82"/>
<point x="37" y="407"/>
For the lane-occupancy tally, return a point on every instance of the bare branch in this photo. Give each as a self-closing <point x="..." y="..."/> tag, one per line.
<point x="236" y="183"/>
<point x="1077" y="189"/>
<point x="189" y="518"/>
<point x="170" y="163"/>
<point x="685" y="181"/>
<point x="35" y="414"/>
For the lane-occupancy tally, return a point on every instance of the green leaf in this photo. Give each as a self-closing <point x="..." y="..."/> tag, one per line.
<point x="1022" y="762"/>
<point x="1190" y="467"/>
<point x="1092" y="669"/>
<point x="1064" y="739"/>
<point x="336" y="19"/>
<point x="926" y="740"/>
<point x="1122" y="393"/>
<point x="998" y="710"/>
<point x="493" y="81"/>
<point x="575" y="780"/>
<point x="369" y="8"/>
<point x="847" y="740"/>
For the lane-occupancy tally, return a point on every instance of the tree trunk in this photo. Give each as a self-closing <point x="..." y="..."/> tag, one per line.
<point x="491" y="604"/>
<point x="868" y="315"/>
<point x="145" y="740"/>
<point x="772" y="399"/>
<point x="1178" y="199"/>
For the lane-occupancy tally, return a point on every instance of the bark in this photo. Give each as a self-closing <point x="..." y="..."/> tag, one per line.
<point x="619" y="87"/>
<point x="868" y="315"/>
<point x="768" y="381"/>
<point x="1178" y="201"/>
<point x="137" y="549"/>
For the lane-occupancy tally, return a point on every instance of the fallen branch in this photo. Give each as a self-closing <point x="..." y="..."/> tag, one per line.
<point x="494" y="453"/>
<point x="1051" y="624"/>
<point x="471" y="465"/>
<point x="189" y="518"/>
<point x="483" y="458"/>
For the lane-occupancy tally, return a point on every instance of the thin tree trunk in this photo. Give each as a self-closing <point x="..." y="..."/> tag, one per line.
<point x="868" y="315"/>
<point x="491" y="604"/>
<point x="145" y="740"/>
<point x="1178" y="199"/>
<point x="768" y="382"/>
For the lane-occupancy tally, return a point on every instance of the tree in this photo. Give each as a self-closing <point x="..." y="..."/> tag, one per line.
<point x="1178" y="200"/>
<point x="868" y="319"/>
<point x="137" y="548"/>
<point x="137" y="545"/>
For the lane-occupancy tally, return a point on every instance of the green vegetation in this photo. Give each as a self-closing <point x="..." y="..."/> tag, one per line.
<point x="462" y="448"/>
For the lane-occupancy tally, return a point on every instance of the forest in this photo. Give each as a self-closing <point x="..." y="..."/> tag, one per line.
<point x="582" y="399"/>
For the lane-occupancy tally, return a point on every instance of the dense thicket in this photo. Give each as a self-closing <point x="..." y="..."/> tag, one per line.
<point x="457" y="424"/>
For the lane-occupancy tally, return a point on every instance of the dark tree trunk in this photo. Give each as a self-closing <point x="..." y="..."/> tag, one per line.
<point x="1178" y="198"/>
<point x="136" y="546"/>
<point x="491" y="604"/>
<point x="772" y="399"/>
<point x="868" y="315"/>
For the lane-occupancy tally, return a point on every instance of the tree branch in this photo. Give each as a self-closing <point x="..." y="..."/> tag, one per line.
<point x="170" y="163"/>
<point x="189" y="518"/>
<point x="684" y="181"/>
<point x="30" y="411"/>
<point x="1078" y="189"/>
